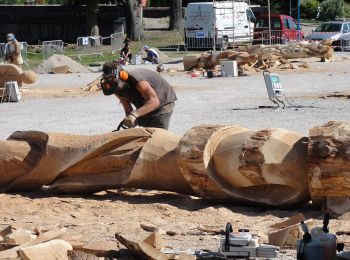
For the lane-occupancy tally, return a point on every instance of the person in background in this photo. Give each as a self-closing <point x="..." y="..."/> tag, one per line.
<point x="152" y="55"/>
<point x="125" y="53"/>
<point x="13" y="51"/>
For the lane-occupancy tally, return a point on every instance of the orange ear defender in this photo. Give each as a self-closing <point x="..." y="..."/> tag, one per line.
<point x="123" y="75"/>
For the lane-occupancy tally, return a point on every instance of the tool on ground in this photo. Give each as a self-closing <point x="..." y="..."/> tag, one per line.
<point x="243" y="244"/>
<point x="274" y="89"/>
<point x="318" y="243"/>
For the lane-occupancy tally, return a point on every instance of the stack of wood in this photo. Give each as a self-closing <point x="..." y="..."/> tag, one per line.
<point x="262" y="56"/>
<point x="21" y="244"/>
<point x="94" y="85"/>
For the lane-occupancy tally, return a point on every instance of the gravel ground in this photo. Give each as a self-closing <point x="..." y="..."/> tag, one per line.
<point x="200" y="101"/>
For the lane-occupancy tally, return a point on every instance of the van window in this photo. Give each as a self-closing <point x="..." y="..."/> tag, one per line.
<point x="345" y="27"/>
<point x="263" y="22"/>
<point x="250" y="16"/>
<point x="286" y="24"/>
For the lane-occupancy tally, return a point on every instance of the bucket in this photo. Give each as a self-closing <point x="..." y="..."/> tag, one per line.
<point x="210" y="74"/>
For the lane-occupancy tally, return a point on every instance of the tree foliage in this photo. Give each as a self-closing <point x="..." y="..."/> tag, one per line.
<point x="308" y="8"/>
<point x="331" y="9"/>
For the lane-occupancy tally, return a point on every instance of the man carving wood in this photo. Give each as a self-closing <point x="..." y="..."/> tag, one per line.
<point x="148" y="92"/>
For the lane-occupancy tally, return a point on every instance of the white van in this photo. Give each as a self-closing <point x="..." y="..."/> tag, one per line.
<point x="201" y="18"/>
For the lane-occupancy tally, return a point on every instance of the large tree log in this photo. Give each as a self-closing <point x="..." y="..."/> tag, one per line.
<point x="329" y="163"/>
<point x="265" y="167"/>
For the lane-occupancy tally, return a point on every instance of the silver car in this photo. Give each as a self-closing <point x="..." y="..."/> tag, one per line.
<point x="336" y="31"/>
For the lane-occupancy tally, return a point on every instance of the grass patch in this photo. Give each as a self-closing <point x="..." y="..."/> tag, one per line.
<point x="156" y="39"/>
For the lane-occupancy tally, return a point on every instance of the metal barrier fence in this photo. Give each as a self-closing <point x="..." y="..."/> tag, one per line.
<point x="24" y="53"/>
<point x="163" y="40"/>
<point x="276" y="37"/>
<point x="52" y="47"/>
<point x="202" y="40"/>
<point x="89" y="45"/>
<point x="117" y="41"/>
<point x="344" y="45"/>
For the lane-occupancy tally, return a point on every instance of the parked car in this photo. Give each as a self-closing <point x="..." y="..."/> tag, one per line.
<point x="335" y="30"/>
<point x="283" y="29"/>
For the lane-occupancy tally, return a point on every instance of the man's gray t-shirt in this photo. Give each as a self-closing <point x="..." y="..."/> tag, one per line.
<point x="162" y="88"/>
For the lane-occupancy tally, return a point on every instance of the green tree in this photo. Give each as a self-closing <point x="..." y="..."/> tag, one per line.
<point x="308" y="8"/>
<point x="347" y="9"/>
<point x="331" y="9"/>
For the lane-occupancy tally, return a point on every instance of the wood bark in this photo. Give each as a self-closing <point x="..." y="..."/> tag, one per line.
<point x="329" y="166"/>
<point x="175" y="15"/>
<point x="329" y="160"/>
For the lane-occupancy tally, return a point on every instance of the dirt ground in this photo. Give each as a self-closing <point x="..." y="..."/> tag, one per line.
<point x="98" y="217"/>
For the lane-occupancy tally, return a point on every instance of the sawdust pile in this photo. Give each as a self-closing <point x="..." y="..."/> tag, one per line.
<point x="60" y="64"/>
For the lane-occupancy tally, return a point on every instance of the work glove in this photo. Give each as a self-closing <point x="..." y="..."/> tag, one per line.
<point x="130" y="120"/>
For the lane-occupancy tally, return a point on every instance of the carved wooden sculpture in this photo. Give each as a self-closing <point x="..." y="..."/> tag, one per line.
<point x="141" y="158"/>
<point x="234" y="164"/>
<point x="265" y="167"/>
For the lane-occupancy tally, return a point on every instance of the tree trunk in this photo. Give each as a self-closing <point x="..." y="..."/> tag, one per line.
<point x="329" y="160"/>
<point x="133" y="14"/>
<point x="329" y="164"/>
<point x="91" y="18"/>
<point x="266" y="167"/>
<point x="175" y="15"/>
